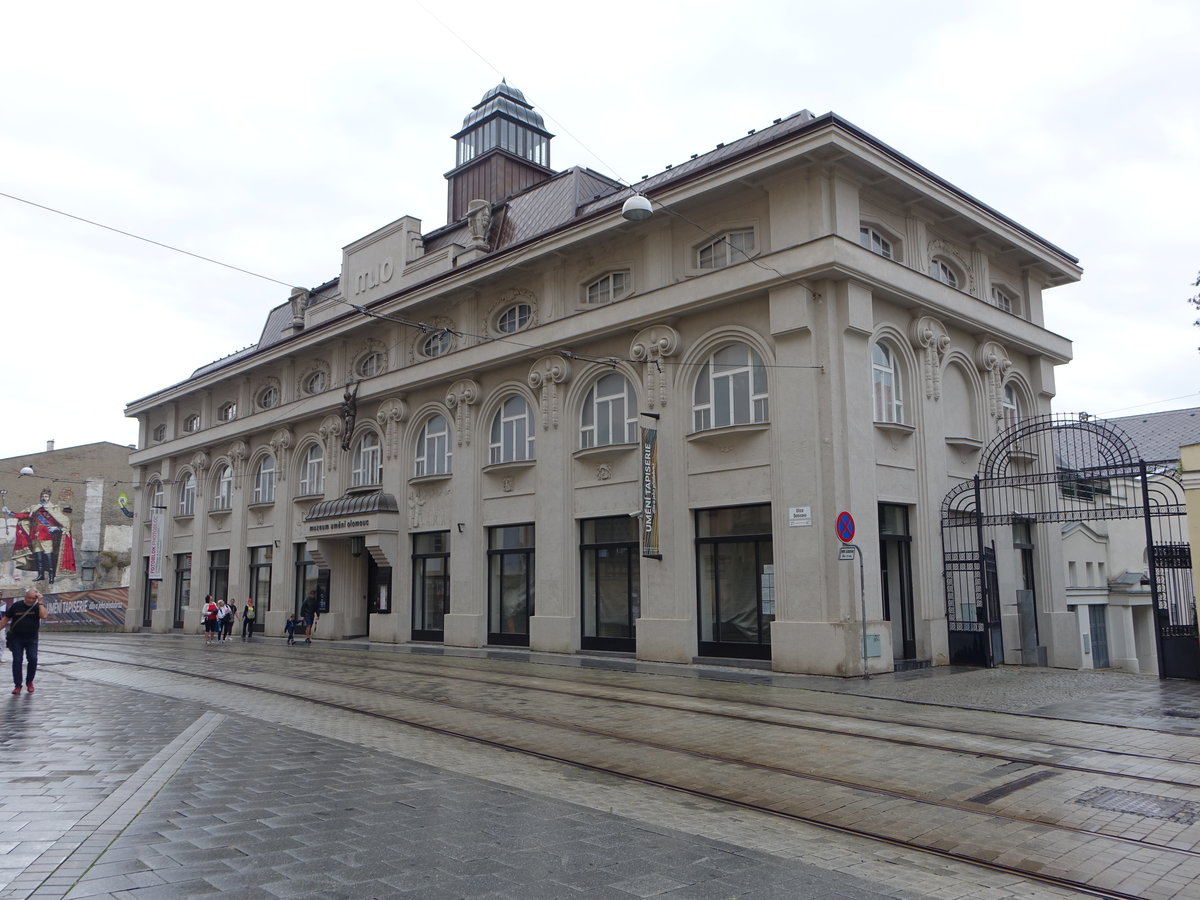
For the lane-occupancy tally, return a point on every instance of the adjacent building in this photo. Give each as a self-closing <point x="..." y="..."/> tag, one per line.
<point x="588" y="416"/>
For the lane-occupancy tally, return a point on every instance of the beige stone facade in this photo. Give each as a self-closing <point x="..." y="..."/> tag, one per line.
<point x="812" y="322"/>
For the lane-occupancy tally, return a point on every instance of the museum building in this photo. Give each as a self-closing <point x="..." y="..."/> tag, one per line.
<point x="588" y="416"/>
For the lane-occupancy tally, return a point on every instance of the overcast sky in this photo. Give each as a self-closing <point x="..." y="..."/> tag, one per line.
<point x="269" y="135"/>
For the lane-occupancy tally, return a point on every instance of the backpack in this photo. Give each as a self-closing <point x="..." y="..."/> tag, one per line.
<point x="248" y="613"/>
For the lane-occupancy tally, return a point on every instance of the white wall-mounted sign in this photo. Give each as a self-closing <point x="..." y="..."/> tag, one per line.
<point x="799" y="515"/>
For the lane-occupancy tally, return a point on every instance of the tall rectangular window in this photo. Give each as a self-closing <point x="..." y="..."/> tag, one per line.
<point x="510" y="583"/>
<point x="431" y="584"/>
<point x="610" y="582"/>
<point x="310" y="580"/>
<point x="736" y="580"/>
<point x="260" y="576"/>
<point x="183" y="586"/>
<point x="218" y="574"/>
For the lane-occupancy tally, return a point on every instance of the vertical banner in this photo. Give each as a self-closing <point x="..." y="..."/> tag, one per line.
<point x="650" y="545"/>
<point x="154" y="565"/>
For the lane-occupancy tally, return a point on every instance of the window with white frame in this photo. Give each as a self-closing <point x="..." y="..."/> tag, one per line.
<point x="885" y="383"/>
<point x="160" y="433"/>
<point x="731" y="247"/>
<point x="1010" y="405"/>
<point x="512" y="432"/>
<point x="191" y="423"/>
<point x="437" y="344"/>
<point x="316" y="382"/>
<point x="268" y="397"/>
<point x="264" y="480"/>
<point x="731" y="389"/>
<point x="371" y="364"/>
<point x="1003" y="299"/>
<point x="368" y="461"/>
<point x="609" y="414"/>
<point x="943" y="272"/>
<point x="156" y="496"/>
<point x="227" y="412"/>
<point x="312" y="471"/>
<point x="223" y="488"/>
<point x="515" y="318"/>
<point x="874" y="241"/>
<point x="607" y="288"/>
<point x="433" y="456"/>
<point x="187" y="495"/>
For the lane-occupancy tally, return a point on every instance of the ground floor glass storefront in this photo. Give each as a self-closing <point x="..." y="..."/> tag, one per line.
<point x="431" y="585"/>
<point x="735" y="576"/>
<point x="510" y="584"/>
<point x="610" y="582"/>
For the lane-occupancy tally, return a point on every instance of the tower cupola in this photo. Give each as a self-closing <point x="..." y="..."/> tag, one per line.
<point x="503" y="147"/>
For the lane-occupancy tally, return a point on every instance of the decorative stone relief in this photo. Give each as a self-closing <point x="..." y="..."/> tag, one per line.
<point x="237" y="462"/>
<point x="929" y="335"/>
<point x="393" y="412"/>
<point x="545" y="377"/>
<point x="416" y="500"/>
<point x="331" y="432"/>
<point x="462" y="396"/>
<point x="479" y="220"/>
<point x="651" y="346"/>
<point x="993" y="361"/>
<point x="299" y="300"/>
<point x="507" y="485"/>
<point x="200" y="461"/>
<point x="281" y="444"/>
<point x="604" y="472"/>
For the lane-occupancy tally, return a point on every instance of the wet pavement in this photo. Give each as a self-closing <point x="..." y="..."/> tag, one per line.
<point x="133" y="784"/>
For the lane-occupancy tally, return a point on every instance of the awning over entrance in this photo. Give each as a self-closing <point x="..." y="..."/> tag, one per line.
<point x="353" y="514"/>
<point x="353" y="504"/>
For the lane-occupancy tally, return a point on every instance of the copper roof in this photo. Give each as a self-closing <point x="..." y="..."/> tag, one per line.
<point x="352" y="504"/>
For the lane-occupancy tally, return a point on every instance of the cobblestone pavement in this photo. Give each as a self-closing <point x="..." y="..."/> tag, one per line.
<point x="139" y="784"/>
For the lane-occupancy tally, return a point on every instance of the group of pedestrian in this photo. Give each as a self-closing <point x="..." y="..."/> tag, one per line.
<point x="21" y="621"/>
<point x="219" y="618"/>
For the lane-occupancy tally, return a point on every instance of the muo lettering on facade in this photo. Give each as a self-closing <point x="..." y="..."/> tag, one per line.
<point x="373" y="277"/>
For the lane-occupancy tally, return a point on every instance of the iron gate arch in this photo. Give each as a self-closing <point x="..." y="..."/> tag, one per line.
<point x="1064" y="469"/>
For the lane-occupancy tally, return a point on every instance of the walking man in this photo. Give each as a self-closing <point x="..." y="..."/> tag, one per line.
<point x="248" y="615"/>
<point x="23" y="619"/>
<point x="310" y="611"/>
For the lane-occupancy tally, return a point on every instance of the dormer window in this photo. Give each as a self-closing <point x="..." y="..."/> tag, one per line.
<point x="875" y="242"/>
<point x="729" y="248"/>
<point x="160" y="433"/>
<point x="191" y="423"/>
<point x="227" y="412"/>
<point x="607" y="288"/>
<point x="943" y="272"/>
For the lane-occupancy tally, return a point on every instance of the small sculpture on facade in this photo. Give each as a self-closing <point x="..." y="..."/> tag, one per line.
<point x="349" y="413"/>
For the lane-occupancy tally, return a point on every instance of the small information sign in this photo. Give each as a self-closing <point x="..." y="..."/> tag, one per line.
<point x="846" y="553"/>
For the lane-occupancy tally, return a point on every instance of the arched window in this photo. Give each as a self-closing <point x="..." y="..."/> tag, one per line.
<point x="731" y="389"/>
<point x="156" y="495"/>
<point x="1010" y="405"/>
<point x="316" y="382"/>
<point x="368" y="462"/>
<point x="268" y="397"/>
<point x="512" y="432"/>
<point x="264" y="480"/>
<point x="609" y="414"/>
<point x="607" y="288"/>
<point x="312" y="471"/>
<point x="191" y="423"/>
<point x="187" y="495"/>
<point x="885" y="383"/>
<point x="943" y="272"/>
<point x="874" y="241"/>
<point x="515" y="318"/>
<point x="223" y="488"/>
<point x="433" y="454"/>
<point x="731" y="247"/>
<point x="227" y="412"/>
<point x="372" y="364"/>
<point x="437" y="344"/>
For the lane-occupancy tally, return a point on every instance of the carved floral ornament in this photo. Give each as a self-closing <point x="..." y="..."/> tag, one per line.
<point x="330" y="432"/>
<point x="281" y="443"/>
<point x="651" y="346"/>
<point x="545" y="377"/>
<point x="929" y="335"/>
<point x="462" y="396"/>
<point x="993" y="361"/>
<point x="200" y="461"/>
<point x="237" y="461"/>
<point x="393" y="412"/>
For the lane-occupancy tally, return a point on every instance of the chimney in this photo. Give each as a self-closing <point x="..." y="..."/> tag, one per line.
<point x="49" y="446"/>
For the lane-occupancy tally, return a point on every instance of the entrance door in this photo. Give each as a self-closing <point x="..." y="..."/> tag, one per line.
<point x="510" y="584"/>
<point x="431" y="585"/>
<point x="1099" y="628"/>
<point x="736" y="581"/>
<point x="895" y="564"/>
<point x="609" y="582"/>
<point x="1178" y="635"/>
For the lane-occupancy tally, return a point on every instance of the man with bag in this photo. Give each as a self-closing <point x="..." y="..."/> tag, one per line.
<point x="310" y="612"/>
<point x="23" y="619"/>
<point x="248" y="615"/>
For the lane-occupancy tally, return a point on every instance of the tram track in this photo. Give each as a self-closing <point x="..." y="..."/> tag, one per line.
<point x="843" y="805"/>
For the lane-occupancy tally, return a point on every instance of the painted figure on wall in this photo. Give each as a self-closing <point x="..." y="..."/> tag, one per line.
<point x="43" y="539"/>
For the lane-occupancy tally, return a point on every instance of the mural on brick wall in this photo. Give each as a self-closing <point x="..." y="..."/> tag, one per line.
<point x="42" y="541"/>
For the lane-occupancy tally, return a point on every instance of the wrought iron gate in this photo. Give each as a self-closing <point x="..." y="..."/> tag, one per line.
<point x="1063" y="469"/>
